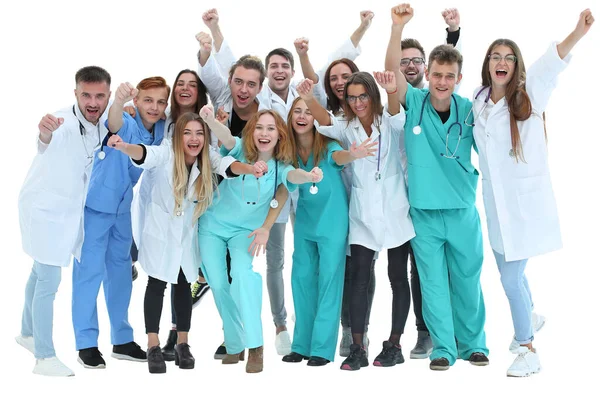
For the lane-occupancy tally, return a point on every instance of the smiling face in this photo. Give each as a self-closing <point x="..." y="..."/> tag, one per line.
<point x="338" y="75"/>
<point x="193" y="139"/>
<point x="92" y="99"/>
<point x="279" y="72"/>
<point x="442" y="79"/>
<point x="359" y="101"/>
<point x="412" y="72"/>
<point x="302" y="120"/>
<point x="151" y="104"/>
<point x="245" y="85"/>
<point x="265" y="134"/>
<point x="186" y="91"/>
<point x="502" y="65"/>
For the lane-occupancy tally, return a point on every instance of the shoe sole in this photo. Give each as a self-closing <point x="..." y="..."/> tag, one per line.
<point x="99" y="366"/>
<point x="55" y="375"/>
<point x="379" y="364"/>
<point x="439" y="368"/>
<point x="480" y="363"/>
<point x="219" y="356"/>
<point x="347" y="367"/>
<point x="523" y="375"/>
<point x="127" y="358"/>
<point x="22" y="344"/>
<point x="420" y="356"/>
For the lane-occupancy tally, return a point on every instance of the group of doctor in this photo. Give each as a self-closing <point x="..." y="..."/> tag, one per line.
<point x="366" y="178"/>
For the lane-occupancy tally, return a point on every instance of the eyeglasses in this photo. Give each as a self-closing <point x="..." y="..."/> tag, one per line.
<point x="509" y="58"/>
<point x="415" y="60"/>
<point x="352" y="99"/>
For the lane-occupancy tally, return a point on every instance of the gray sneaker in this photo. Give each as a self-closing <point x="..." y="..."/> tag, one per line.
<point x="423" y="347"/>
<point x="345" y="342"/>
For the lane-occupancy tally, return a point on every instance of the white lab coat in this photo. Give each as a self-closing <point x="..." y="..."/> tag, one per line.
<point x="53" y="195"/>
<point x="379" y="209"/>
<point x="521" y="211"/>
<point x="168" y="241"/>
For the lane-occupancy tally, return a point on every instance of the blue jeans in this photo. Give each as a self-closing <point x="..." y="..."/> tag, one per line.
<point x="512" y="275"/>
<point x="38" y="311"/>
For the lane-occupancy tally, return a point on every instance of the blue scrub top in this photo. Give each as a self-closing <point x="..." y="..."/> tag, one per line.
<point x="230" y="213"/>
<point x="113" y="179"/>
<point x="323" y="215"/>
<point x="436" y="182"/>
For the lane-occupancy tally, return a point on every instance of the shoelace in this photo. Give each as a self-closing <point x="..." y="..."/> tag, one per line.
<point x="196" y="288"/>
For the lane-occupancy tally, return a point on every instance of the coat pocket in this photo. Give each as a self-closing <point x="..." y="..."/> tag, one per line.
<point x="536" y="198"/>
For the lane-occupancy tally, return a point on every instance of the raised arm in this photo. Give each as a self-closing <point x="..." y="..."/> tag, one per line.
<point x="586" y="19"/>
<point x="218" y="129"/>
<point x="452" y="19"/>
<point x="365" y="149"/>
<point x="211" y="20"/>
<point x="305" y="90"/>
<point x="299" y="176"/>
<point x="365" y="21"/>
<point x="301" y="45"/>
<point x="125" y="92"/>
<point x="135" y="151"/>
<point x="401" y="14"/>
<point x="387" y="80"/>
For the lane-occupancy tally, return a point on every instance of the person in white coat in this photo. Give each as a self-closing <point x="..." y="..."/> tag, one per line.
<point x="379" y="209"/>
<point x="182" y="191"/>
<point x="51" y="205"/>
<point x="521" y="211"/>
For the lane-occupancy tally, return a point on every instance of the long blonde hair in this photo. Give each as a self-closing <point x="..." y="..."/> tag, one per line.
<point x="205" y="184"/>
<point x="284" y="150"/>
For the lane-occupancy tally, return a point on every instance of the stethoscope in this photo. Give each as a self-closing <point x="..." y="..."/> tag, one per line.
<point x="417" y="129"/>
<point x="90" y="156"/>
<point x="487" y="98"/>
<point x="274" y="203"/>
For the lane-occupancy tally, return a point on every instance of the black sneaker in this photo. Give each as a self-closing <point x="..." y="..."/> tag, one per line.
<point x="156" y="362"/>
<point x="168" y="350"/>
<point x="479" y="359"/>
<point x="199" y="289"/>
<point x="356" y="359"/>
<point x="389" y="356"/>
<point x="221" y="352"/>
<point x="134" y="273"/>
<point x="129" y="351"/>
<point x="91" y="358"/>
<point x="439" y="364"/>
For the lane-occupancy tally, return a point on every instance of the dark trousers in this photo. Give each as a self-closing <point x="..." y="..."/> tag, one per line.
<point x="182" y="303"/>
<point x="348" y="294"/>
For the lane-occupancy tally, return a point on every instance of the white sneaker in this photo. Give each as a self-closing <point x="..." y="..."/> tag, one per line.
<point x="27" y="342"/>
<point x="283" y="344"/>
<point x="537" y="323"/>
<point x="51" y="367"/>
<point x="526" y="363"/>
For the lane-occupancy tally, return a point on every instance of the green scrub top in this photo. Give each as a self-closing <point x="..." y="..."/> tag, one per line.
<point x="323" y="215"/>
<point x="238" y="205"/>
<point x="436" y="182"/>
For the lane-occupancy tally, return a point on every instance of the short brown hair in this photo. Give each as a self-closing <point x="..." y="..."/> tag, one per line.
<point x="249" y="62"/>
<point x="446" y="54"/>
<point x="412" y="44"/>
<point x="154" y="82"/>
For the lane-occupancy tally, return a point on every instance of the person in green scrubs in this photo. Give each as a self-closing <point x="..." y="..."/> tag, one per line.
<point x="442" y="183"/>
<point x="239" y="221"/>
<point x="320" y="238"/>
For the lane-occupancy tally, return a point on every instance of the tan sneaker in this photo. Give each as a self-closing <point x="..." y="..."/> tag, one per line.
<point x="255" y="360"/>
<point x="233" y="358"/>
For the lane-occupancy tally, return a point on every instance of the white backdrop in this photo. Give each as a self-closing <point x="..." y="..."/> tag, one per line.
<point x="43" y="45"/>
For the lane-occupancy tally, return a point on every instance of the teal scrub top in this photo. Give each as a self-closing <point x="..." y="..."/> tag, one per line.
<point x="323" y="215"/>
<point x="237" y="205"/>
<point x="436" y="182"/>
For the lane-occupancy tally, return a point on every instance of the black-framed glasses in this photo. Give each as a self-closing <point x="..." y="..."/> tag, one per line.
<point x="509" y="58"/>
<point x="352" y="99"/>
<point x="415" y="60"/>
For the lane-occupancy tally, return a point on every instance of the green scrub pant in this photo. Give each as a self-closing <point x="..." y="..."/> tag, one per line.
<point x="239" y="302"/>
<point x="449" y="252"/>
<point x="317" y="286"/>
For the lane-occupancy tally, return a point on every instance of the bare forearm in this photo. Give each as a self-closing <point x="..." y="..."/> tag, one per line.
<point x="298" y="176"/>
<point x="343" y="157"/>
<point x="115" y="117"/>
<point x="565" y="47"/>
<point x="318" y="112"/>
<point x="240" y="168"/>
<point x="135" y="151"/>
<point x="358" y="34"/>
<point x="222" y="133"/>
<point x="281" y="196"/>
<point x="218" y="37"/>
<point x="392" y="63"/>
<point x="307" y="69"/>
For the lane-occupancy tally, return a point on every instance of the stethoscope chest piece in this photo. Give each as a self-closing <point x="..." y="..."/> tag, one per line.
<point x="313" y="189"/>
<point x="101" y="155"/>
<point x="179" y="213"/>
<point x="377" y="176"/>
<point x="274" y="203"/>
<point x="417" y="130"/>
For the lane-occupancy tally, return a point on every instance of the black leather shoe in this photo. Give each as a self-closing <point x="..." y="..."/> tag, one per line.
<point x="316" y="361"/>
<point x="183" y="357"/>
<point x="156" y="362"/>
<point x="439" y="364"/>
<point x="293" y="357"/>
<point x="479" y="359"/>
<point x="169" y="348"/>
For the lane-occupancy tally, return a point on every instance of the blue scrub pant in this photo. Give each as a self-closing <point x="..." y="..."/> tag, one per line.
<point x="38" y="311"/>
<point x="239" y="302"/>
<point x="317" y="287"/>
<point x="449" y="252"/>
<point x="516" y="287"/>
<point x="106" y="260"/>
